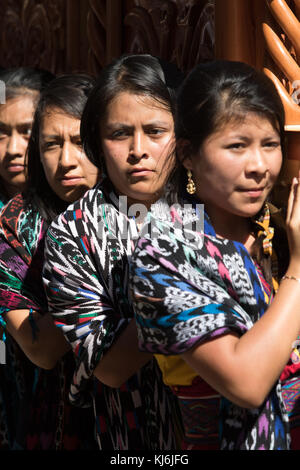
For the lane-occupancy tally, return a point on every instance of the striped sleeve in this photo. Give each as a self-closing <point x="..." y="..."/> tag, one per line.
<point x="78" y="296"/>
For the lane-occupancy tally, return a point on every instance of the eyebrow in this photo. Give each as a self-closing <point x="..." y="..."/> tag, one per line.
<point x="117" y="125"/>
<point x="57" y="136"/>
<point x="243" y="137"/>
<point x="3" y="125"/>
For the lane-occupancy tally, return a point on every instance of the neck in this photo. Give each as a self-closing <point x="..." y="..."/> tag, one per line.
<point x="231" y="226"/>
<point x="11" y="190"/>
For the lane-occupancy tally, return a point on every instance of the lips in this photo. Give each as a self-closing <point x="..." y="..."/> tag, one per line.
<point x="15" y="167"/>
<point x="253" y="192"/>
<point x="140" y="171"/>
<point x="70" y="180"/>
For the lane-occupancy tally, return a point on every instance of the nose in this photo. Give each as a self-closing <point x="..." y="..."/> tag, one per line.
<point x="16" y="145"/>
<point x="67" y="158"/>
<point x="257" y="163"/>
<point x="138" y="146"/>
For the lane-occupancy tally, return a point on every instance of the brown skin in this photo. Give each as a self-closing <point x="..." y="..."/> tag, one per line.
<point x="62" y="157"/>
<point x="250" y="364"/>
<point x="137" y="133"/>
<point x="16" y="117"/>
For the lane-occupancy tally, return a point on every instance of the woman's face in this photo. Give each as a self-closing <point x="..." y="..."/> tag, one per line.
<point x="16" y="117"/>
<point x="236" y="167"/>
<point x="68" y="171"/>
<point x="137" y="139"/>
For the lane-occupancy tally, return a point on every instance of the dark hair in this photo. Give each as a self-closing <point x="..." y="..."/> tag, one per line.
<point x="67" y="93"/>
<point x="140" y="74"/>
<point x="19" y="81"/>
<point x="22" y="81"/>
<point x="217" y="92"/>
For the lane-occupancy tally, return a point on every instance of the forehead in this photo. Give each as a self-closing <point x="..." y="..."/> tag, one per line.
<point x="55" y="121"/>
<point x="248" y="123"/>
<point x="127" y="106"/>
<point x="17" y="110"/>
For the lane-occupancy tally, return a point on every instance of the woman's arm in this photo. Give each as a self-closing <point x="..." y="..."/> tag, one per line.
<point x="123" y="359"/>
<point x="48" y="346"/>
<point x="189" y="310"/>
<point x="81" y="300"/>
<point x="245" y="368"/>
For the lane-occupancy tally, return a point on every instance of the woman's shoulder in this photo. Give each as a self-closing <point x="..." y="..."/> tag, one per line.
<point x="15" y="211"/>
<point x="14" y="206"/>
<point x="88" y="202"/>
<point x="81" y="217"/>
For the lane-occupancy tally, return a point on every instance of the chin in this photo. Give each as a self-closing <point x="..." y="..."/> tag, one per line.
<point x="252" y="211"/>
<point x="18" y="180"/>
<point x="142" y="198"/>
<point x="74" y="195"/>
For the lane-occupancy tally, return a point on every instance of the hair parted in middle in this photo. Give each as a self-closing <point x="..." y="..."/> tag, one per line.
<point x="216" y="93"/>
<point x="66" y="94"/>
<point x="140" y="74"/>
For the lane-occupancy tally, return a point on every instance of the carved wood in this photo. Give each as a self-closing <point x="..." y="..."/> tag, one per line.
<point x="282" y="36"/>
<point x="96" y="31"/>
<point x="178" y="31"/>
<point x="72" y="35"/>
<point x="32" y="33"/>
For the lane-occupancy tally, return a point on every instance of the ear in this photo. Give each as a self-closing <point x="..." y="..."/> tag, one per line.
<point x="184" y="153"/>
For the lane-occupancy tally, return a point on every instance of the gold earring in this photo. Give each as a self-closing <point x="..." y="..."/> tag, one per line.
<point x="190" y="187"/>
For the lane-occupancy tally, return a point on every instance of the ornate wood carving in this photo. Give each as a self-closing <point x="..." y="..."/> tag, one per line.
<point x="96" y="31"/>
<point x="282" y="35"/>
<point x="104" y="29"/>
<point x="238" y="31"/>
<point x="32" y="34"/>
<point x="179" y="31"/>
<point x="69" y="35"/>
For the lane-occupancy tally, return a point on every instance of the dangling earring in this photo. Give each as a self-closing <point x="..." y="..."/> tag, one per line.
<point x="190" y="187"/>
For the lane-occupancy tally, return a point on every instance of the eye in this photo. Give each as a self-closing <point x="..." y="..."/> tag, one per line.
<point x="119" y="134"/>
<point x="236" y="146"/>
<point x="3" y="135"/>
<point x="78" y="142"/>
<point x="273" y="144"/>
<point x="49" y="145"/>
<point x="156" y="131"/>
<point x="27" y="132"/>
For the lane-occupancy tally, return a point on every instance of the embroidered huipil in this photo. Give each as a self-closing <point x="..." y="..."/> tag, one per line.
<point x="86" y="280"/>
<point x="35" y="413"/>
<point x="187" y="290"/>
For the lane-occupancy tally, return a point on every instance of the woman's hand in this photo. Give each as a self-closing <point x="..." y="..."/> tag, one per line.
<point x="293" y="227"/>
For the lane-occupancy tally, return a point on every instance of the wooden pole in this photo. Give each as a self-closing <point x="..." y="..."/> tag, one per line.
<point x="234" y="31"/>
<point x="113" y="29"/>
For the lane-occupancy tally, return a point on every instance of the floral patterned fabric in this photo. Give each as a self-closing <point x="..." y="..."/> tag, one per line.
<point x="86" y="280"/>
<point x="189" y="290"/>
<point x="35" y="413"/>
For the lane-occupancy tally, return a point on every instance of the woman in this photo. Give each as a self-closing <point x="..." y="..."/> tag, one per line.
<point x="204" y="302"/>
<point x="128" y="131"/>
<point x="38" y="415"/>
<point x="22" y="87"/>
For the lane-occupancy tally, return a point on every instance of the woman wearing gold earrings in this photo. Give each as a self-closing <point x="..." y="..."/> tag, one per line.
<point x="221" y="311"/>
